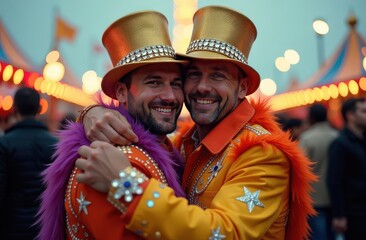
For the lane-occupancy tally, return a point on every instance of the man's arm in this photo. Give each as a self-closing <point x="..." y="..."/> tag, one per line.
<point x="335" y="179"/>
<point x="87" y="207"/>
<point x="107" y="125"/>
<point x="3" y="181"/>
<point x="99" y="174"/>
<point x="264" y="169"/>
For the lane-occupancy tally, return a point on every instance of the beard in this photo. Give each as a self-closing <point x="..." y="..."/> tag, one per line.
<point x="213" y="116"/>
<point x="145" y="117"/>
<point x="200" y="116"/>
<point x="157" y="127"/>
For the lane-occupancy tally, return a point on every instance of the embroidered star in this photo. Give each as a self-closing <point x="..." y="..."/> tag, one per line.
<point x="251" y="199"/>
<point x="216" y="234"/>
<point x="83" y="204"/>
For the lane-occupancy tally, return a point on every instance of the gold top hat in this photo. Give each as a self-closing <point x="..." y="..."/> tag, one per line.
<point x="133" y="41"/>
<point x="220" y="33"/>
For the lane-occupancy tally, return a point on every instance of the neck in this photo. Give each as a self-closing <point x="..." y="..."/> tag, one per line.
<point x="19" y="117"/>
<point x="356" y="130"/>
<point x="203" y="131"/>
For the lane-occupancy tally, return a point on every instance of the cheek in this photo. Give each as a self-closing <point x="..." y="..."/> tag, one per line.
<point x="187" y="86"/>
<point x="133" y="90"/>
<point x="179" y="95"/>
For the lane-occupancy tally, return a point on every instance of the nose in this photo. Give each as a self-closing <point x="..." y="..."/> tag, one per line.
<point x="167" y="94"/>
<point x="203" y="85"/>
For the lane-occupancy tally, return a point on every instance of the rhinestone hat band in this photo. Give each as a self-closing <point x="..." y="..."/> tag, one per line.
<point x="219" y="47"/>
<point x="147" y="53"/>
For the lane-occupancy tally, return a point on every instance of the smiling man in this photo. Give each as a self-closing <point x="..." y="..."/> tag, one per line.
<point x="147" y="82"/>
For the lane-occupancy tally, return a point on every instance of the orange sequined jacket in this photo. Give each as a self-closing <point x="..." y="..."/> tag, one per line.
<point x="76" y="211"/>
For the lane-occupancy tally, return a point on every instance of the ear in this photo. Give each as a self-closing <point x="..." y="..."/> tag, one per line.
<point x="121" y="93"/>
<point x="243" y="87"/>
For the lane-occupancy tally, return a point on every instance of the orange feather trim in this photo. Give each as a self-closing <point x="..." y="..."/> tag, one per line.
<point x="183" y="125"/>
<point x="301" y="168"/>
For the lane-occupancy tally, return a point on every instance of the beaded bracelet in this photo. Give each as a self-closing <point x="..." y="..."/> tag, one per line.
<point x="83" y="112"/>
<point x="127" y="185"/>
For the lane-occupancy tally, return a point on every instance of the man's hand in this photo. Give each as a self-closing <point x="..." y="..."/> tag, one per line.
<point x="108" y="125"/>
<point x="100" y="164"/>
<point x="339" y="224"/>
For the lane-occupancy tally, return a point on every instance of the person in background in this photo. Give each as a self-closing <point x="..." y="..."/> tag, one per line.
<point x="315" y="141"/>
<point x="296" y="126"/>
<point x="243" y="177"/>
<point x="25" y="151"/>
<point x="347" y="172"/>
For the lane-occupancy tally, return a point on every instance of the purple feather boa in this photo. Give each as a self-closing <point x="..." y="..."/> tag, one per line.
<point x="52" y="212"/>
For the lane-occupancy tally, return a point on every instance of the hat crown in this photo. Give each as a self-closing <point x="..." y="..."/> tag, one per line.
<point x="133" y="32"/>
<point x="225" y="25"/>
<point x="220" y="33"/>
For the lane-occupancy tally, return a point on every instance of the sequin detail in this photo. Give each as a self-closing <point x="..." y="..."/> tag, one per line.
<point x="216" y="235"/>
<point x="128" y="184"/>
<point x="83" y="204"/>
<point x="251" y="199"/>
<point x="218" y="46"/>
<point x="148" y="52"/>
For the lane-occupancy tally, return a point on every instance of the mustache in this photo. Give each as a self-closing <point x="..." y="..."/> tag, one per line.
<point x="200" y="95"/>
<point x="165" y="104"/>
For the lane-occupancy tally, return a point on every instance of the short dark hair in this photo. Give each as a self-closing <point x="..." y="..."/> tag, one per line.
<point x="350" y="106"/>
<point x="26" y="101"/>
<point x="292" y="123"/>
<point x="317" y="113"/>
<point x="127" y="79"/>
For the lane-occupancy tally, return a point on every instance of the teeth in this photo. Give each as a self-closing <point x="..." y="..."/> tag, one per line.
<point x="202" y="101"/>
<point x="165" y="110"/>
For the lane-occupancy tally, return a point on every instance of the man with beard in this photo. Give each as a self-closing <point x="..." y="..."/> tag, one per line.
<point x="147" y="82"/>
<point x="243" y="177"/>
<point x="347" y="172"/>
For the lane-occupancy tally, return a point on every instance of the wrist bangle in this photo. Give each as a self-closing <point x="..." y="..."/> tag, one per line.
<point x="125" y="186"/>
<point x="83" y="112"/>
<point x="128" y="184"/>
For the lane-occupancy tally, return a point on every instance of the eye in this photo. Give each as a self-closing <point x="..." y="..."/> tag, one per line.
<point x="193" y="74"/>
<point x="153" y="83"/>
<point x="218" y="76"/>
<point x="177" y="84"/>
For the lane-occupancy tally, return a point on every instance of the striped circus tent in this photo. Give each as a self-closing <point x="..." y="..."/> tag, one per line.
<point x="345" y="64"/>
<point x="11" y="54"/>
<point x="57" y="95"/>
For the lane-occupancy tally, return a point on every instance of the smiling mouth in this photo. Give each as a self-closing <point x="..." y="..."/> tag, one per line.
<point x="163" y="110"/>
<point x="204" y="101"/>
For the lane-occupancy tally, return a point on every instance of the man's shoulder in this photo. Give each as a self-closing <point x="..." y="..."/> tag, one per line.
<point x="342" y="142"/>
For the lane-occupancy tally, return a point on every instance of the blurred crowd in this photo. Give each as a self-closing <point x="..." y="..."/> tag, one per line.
<point x="339" y="158"/>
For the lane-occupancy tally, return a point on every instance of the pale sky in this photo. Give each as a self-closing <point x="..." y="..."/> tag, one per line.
<point x="281" y="25"/>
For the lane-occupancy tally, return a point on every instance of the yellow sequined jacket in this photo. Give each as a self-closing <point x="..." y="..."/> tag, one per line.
<point x="245" y="180"/>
